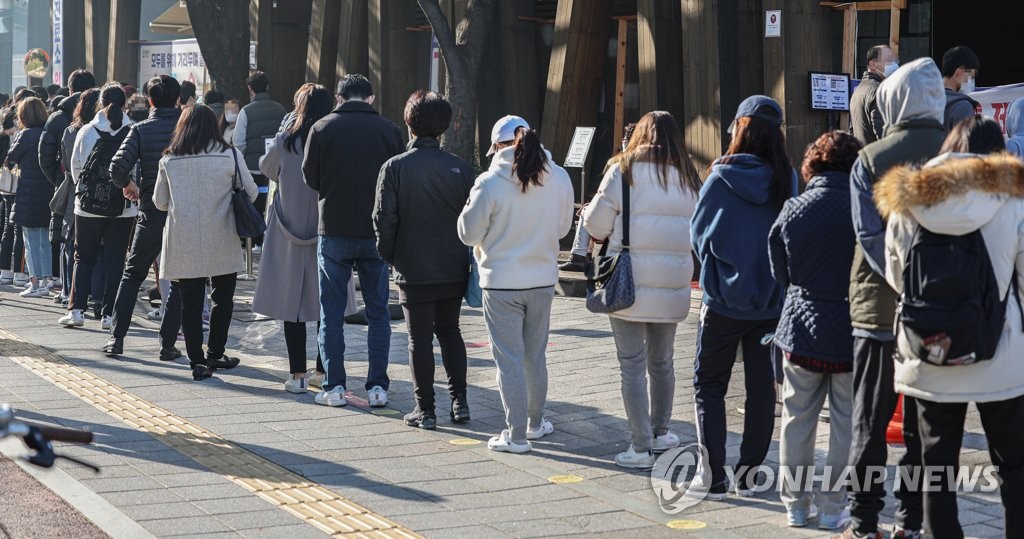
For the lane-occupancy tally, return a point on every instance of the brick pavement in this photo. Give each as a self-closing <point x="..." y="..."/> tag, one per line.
<point x="415" y="478"/>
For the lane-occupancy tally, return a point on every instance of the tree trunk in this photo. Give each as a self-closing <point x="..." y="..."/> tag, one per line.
<point x="222" y="31"/>
<point x="461" y="52"/>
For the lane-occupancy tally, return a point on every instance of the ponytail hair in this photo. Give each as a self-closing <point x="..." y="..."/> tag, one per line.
<point x="529" y="160"/>
<point x="112" y="101"/>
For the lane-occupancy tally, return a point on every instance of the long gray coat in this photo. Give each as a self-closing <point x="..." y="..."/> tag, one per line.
<point x="200" y="238"/>
<point x="287" y="287"/>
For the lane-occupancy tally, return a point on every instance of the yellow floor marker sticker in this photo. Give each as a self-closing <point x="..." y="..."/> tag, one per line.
<point x="464" y="441"/>
<point x="314" y="504"/>
<point x="561" y="479"/>
<point x="686" y="524"/>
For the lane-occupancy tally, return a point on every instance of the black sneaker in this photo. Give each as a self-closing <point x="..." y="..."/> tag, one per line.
<point x="114" y="347"/>
<point x="201" y="372"/>
<point x="169" y="354"/>
<point x="460" y="409"/>
<point x="419" y="418"/>
<point x="222" y="363"/>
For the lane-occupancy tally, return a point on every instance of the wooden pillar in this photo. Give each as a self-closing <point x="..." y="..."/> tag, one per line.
<point x="353" y="42"/>
<point x="660" y="51"/>
<point x="578" y="53"/>
<point x="281" y="47"/>
<point x="398" y="57"/>
<point x="621" y="58"/>
<point x="322" y="50"/>
<point x="894" y="26"/>
<point x="97" y="37"/>
<point x="518" y="86"/>
<point x="123" y="47"/>
<point x="850" y="40"/>
<point x="74" y="36"/>
<point x="805" y="45"/>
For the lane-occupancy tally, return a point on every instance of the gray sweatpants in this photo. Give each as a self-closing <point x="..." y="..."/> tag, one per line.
<point x="803" y="395"/>
<point x="645" y="353"/>
<point x="518" y="322"/>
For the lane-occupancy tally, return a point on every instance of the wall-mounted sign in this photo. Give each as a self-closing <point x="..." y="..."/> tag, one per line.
<point x="773" y="23"/>
<point x="830" y="91"/>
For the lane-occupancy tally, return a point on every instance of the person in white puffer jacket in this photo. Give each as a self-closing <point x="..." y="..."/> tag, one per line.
<point x="517" y="212"/>
<point x="663" y="189"/>
<point x="962" y="191"/>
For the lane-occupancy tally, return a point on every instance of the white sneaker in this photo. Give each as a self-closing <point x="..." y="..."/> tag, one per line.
<point x="20" y="279"/>
<point x="543" y="430"/>
<point x="334" y="397"/>
<point x="315" y="379"/>
<point x="154" y="315"/>
<point x="296" y="385"/>
<point x="377" y="396"/>
<point x="833" y="521"/>
<point x="797" y="518"/>
<point x="35" y="293"/>
<point x="503" y="443"/>
<point x="53" y="283"/>
<point x="664" y="442"/>
<point x="74" y="319"/>
<point x="257" y="250"/>
<point x="106" y="322"/>
<point x="637" y="461"/>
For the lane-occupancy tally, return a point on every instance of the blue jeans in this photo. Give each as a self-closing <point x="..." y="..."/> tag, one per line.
<point x="336" y="257"/>
<point x="40" y="253"/>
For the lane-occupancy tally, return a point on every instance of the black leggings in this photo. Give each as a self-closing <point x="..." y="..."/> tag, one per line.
<point x="12" y="243"/>
<point x="295" y="341"/>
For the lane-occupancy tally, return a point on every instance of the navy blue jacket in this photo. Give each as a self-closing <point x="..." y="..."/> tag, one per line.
<point x="728" y="230"/>
<point x="811" y="247"/>
<point x="32" y="201"/>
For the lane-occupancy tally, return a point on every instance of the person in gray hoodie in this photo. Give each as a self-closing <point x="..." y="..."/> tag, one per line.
<point x="912" y="102"/>
<point x="1015" y="128"/>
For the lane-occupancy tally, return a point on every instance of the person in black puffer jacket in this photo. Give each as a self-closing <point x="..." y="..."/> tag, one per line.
<point x="51" y="156"/>
<point x="144" y="146"/>
<point x="32" y="201"/>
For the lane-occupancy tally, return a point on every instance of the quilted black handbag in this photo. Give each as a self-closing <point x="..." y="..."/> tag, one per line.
<point x="610" y="278"/>
<point x="248" y="220"/>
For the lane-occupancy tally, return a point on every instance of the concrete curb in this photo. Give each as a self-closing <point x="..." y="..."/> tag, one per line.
<point x="108" y="518"/>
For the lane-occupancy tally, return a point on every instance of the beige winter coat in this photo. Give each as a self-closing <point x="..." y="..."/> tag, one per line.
<point x="955" y="195"/>
<point x="659" y="237"/>
<point x="200" y="238"/>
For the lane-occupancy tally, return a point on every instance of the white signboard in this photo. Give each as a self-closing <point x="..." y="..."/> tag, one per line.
<point x="995" y="101"/>
<point x="830" y="91"/>
<point x="180" y="59"/>
<point x="773" y="23"/>
<point x="58" y="42"/>
<point x="579" y="147"/>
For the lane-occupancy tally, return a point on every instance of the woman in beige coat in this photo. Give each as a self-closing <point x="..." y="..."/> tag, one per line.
<point x="663" y="187"/>
<point x="194" y="186"/>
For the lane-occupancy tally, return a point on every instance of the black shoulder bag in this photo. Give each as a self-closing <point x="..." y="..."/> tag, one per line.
<point x="248" y="220"/>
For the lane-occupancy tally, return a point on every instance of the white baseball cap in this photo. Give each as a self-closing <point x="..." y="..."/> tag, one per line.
<point x="504" y="130"/>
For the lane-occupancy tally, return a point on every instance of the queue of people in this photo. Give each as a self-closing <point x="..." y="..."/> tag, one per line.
<point x="837" y="291"/>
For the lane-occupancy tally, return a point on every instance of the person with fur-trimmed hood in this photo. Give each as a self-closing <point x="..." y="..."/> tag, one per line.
<point x="956" y="194"/>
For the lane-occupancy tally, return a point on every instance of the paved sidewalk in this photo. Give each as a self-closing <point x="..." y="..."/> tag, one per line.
<point x="436" y="484"/>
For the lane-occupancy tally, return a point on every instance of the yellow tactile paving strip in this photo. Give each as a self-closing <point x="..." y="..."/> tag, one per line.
<point x="308" y="501"/>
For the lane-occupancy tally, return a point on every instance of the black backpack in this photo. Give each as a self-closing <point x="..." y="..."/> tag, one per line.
<point x="96" y="193"/>
<point x="951" y="312"/>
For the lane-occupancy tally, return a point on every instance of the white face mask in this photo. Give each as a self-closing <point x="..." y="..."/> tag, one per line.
<point x="968" y="86"/>
<point x="231" y="117"/>
<point x="890" y="68"/>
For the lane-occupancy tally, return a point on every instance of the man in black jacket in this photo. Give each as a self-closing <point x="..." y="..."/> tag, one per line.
<point x="144" y="146"/>
<point x="344" y="154"/>
<point x="49" y="144"/>
<point x="420" y="195"/>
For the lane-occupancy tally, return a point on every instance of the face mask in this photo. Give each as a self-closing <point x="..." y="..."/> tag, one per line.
<point x="968" y="86"/>
<point x="231" y="117"/>
<point x="890" y="68"/>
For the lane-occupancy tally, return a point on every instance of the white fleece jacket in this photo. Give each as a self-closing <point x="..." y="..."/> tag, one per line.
<point x="515" y="234"/>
